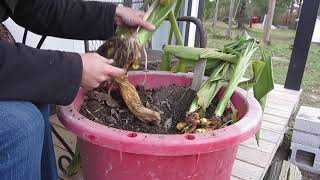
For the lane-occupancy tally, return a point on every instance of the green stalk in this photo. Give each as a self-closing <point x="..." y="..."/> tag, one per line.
<point x="194" y="54"/>
<point x="175" y="27"/>
<point x="239" y="71"/>
<point x="157" y="16"/>
<point x="176" y="14"/>
<point x="165" y="61"/>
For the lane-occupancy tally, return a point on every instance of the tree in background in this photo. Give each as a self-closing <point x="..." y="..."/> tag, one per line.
<point x="210" y="6"/>
<point x="242" y="14"/>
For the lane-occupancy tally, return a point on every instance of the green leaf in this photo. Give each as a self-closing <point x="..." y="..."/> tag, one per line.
<point x="190" y="53"/>
<point x="238" y="73"/>
<point x="257" y="136"/>
<point x="257" y="67"/>
<point x="265" y="83"/>
<point x="158" y="14"/>
<point x="211" y="86"/>
<point x="165" y="62"/>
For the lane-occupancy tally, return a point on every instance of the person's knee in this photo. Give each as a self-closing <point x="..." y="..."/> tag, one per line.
<point x="21" y="119"/>
<point x="21" y="140"/>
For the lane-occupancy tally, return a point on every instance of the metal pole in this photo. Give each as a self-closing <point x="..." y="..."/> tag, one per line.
<point x="200" y="16"/>
<point x="302" y="43"/>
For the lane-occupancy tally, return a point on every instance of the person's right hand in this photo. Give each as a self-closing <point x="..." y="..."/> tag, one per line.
<point x="97" y="69"/>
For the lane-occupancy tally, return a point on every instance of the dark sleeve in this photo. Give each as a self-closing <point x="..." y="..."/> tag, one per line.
<point x="41" y="76"/>
<point x="73" y="19"/>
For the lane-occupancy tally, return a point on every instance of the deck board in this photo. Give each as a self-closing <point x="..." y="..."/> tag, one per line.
<point x="252" y="161"/>
<point x="270" y="136"/>
<point x="275" y="119"/>
<point x="246" y="171"/>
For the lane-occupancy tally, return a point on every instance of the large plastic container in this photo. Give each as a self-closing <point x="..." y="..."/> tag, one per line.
<point x="113" y="154"/>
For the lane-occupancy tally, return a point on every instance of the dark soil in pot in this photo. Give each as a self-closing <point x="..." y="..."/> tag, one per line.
<point x="114" y="113"/>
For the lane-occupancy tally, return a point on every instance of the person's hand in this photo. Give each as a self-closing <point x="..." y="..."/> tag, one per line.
<point x="97" y="69"/>
<point x="131" y="18"/>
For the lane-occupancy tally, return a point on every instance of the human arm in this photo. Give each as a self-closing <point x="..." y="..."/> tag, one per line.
<point x="45" y="76"/>
<point x="73" y="19"/>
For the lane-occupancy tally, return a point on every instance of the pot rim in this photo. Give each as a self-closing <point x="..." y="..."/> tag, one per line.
<point x="163" y="144"/>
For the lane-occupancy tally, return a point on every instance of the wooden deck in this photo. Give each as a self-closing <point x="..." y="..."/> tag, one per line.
<point x="252" y="160"/>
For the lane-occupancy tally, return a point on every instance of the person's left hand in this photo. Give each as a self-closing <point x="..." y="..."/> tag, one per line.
<point x="131" y="18"/>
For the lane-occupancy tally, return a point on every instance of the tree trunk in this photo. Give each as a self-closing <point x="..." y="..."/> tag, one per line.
<point x="230" y="19"/>
<point x="216" y="12"/>
<point x="267" y="33"/>
<point x="250" y="13"/>
<point x="299" y="12"/>
<point x="289" y="22"/>
<point x="242" y="14"/>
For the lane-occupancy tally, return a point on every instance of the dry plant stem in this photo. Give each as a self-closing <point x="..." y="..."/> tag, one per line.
<point x="133" y="102"/>
<point x="126" y="51"/>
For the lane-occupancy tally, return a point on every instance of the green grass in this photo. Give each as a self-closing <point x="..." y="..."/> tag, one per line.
<point x="280" y="47"/>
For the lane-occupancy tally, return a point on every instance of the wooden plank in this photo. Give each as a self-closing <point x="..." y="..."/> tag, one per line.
<point x="281" y="88"/>
<point x="265" y="146"/>
<point x="270" y="136"/>
<point x="253" y="156"/>
<point x="294" y="173"/>
<point x="283" y="94"/>
<point x="277" y="113"/>
<point x="246" y="171"/>
<point x="68" y="137"/>
<point x="274" y="171"/>
<point x="198" y="74"/>
<point x="275" y="119"/>
<point x="55" y="121"/>
<point x="282" y="97"/>
<point x="272" y="127"/>
<point x="282" y="102"/>
<point x="284" y="170"/>
<point x="287" y="108"/>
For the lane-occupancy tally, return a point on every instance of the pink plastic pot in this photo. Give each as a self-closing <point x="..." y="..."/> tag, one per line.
<point x="113" y="154"/>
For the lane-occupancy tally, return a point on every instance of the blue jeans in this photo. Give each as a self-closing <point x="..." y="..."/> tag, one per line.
<point x="26" y="147"/>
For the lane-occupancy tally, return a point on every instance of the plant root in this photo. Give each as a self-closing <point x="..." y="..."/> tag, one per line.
<point x="133" y="102"/>
<point x="126" y="52"/>
<point x="195" y="124"/>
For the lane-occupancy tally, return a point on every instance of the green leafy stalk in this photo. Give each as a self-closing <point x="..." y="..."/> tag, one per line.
<point x="165" y="62"/>
<point x="239" y="71"/>
<point x="165" y="59"/>
<point x="157" y="16"/>
<point x="194" y="54"/>
<point x="265" y="82"/>
<point x="176" y="14"/>
<point x="257" y="68"/>
<point x="211" y="86"/>
<point x="175" y="27"/>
